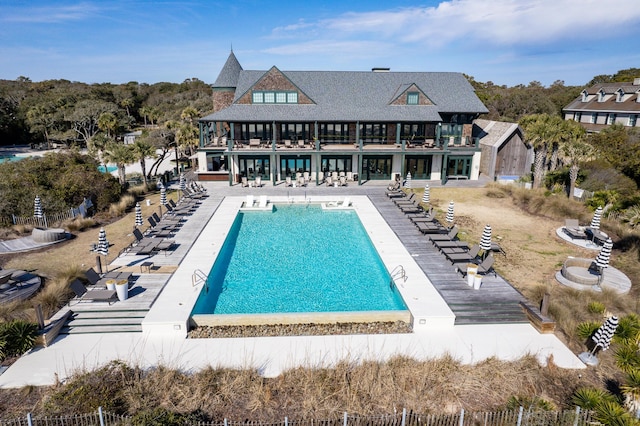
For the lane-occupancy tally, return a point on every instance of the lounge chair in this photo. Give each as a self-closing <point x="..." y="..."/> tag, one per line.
<point x="430" y="227"/>
<point x="344" y="203"/>
<point x="245" y="182"/>
<point x="258" y="182"/>
<point x="404" y="200"/>
<point x="469" y="256"/>
<point x="288" y="181"/>
<point x="171" y="223"/>
<point x="248" y="203"/>
<point x="263" y="201"/>
<point x="572" y="228"/>
<point x="451" y="235"/>
<point x="301" y="143"/>
<point x="451" y="244"/>
<point x="485" y="267"/>
<point x="287" y="143"/>
<point x="329" y="181"/>
<point x="343" y="181"/>
<point x="83" y="295"/>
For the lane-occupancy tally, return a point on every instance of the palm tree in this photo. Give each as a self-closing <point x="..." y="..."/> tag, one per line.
<point x="108" y="122"/>
<point x="542" y="131"/>
<point x="141" y="151"/>
<point x="575" y="150"/>
<point x="144" y="111"/>
<point x="121" y="155"/>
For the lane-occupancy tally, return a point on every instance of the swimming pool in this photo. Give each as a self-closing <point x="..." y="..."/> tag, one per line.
<point x="297" y="258"/>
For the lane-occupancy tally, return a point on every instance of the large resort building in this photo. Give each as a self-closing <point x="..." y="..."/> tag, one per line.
<point x="279" y="125"/>
<point x="605" y="104"/>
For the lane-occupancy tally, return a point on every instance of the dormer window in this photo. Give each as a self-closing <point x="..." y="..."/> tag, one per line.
<point x="601" y="96"/>
<point x="412" y="98"/>
<point x="619" y="95"/>
<point x="259" y="97"/>
<point x="585" y="96"/>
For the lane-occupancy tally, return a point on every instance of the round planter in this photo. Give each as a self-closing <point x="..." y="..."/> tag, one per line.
<point x="111" y="284"/>
<point x="122" y="289"/>
<point x="49" y="235"/>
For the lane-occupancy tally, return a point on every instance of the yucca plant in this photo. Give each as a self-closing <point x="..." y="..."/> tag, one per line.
<point x="586" y="329"/>
<point x="596" y="307"/>
<point x="627" y="356"/>
<point x="632" y="216"/>
<point x="628" y="328"/>
<point x="612" y="413"/>
<point x="590" y="398"/>
<point x="631" y="391"/>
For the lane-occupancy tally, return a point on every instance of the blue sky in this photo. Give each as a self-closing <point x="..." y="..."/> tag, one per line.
<point x="504" y="41"/>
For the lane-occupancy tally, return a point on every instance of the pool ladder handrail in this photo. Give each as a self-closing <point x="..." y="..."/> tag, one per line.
<point x="399" y="273"/>
<point x="198" y="277"/>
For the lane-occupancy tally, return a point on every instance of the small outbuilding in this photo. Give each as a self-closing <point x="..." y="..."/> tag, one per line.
<point x="504" y="150"/>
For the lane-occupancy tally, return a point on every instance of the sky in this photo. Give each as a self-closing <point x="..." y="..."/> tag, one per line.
<point x="507" y="42"/>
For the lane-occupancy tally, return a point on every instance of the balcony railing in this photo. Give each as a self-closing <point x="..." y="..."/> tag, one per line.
<point x="406" y="145"/>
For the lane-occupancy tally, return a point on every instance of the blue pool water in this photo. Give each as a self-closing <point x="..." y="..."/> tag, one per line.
<point x="9" y="158"/>
<point x="109" y="169"/>
<point x="297" y="259"/>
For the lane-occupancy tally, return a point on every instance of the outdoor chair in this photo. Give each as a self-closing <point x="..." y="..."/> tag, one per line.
<point x="573" y="229"/>
<point x="468" y="256"/>
<point x="451" y="235"/>
<point x="404" y="200"/>
<point x="248" y="202"/>
<point x="430" y="227"/>
<point x="451" y="244"/>
<point x="83" y="295"/>
<point x="483" y="268"/>
<point x="288" y="181"/>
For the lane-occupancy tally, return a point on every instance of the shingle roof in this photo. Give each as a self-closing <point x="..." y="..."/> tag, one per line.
<point x="363" y="96"/>
<point x="629" y="105"/>
<point x="228" y="76"/>
<point x="494" y="133"/>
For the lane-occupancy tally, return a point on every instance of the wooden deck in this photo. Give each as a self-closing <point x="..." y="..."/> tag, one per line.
<point x="497" y="302"/>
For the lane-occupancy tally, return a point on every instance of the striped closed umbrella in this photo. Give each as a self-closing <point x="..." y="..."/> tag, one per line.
<point x="602" y="337"/>
<point x="37" y="208"/>
<point x="407" y="182"/>
<point x="138" y="215"/>
<point x="183" y="182"/>
<point x="426" y="197"/>
<point x="597" y="215"/>
<point x="449" y="216"/>
<point x="103" y="245"/>
<point x="163" y="195"/>
<point x="485" y="241"/>
<point x="602" y="260"/>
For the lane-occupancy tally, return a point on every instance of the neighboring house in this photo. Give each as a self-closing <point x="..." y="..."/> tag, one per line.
<point x="504" y="151"/>
<point x="130" y="138"/>
<point x="605" y="104"/>
<point x="375" y="125"/>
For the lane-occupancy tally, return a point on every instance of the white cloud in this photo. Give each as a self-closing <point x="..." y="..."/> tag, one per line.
<point x="499" y="22"/>
<point x="49" y="14"/>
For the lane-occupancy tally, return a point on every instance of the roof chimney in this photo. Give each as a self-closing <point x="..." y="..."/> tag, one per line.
<point x="377" y="69"/>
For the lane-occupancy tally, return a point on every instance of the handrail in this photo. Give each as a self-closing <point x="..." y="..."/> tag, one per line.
<point x="197" y="277"/>
<point x="399" y="273"/>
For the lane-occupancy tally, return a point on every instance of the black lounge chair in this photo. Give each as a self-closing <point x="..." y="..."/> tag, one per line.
<point x="451" y="235"/>
<point x="84" y="295"/>
<point x="468" y="256"/>
<point x="483" y="268"/>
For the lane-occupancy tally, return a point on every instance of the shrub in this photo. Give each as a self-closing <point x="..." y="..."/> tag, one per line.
<point x="162" y="417"/>
<point x="590" y="398"/>
<point x="585" y="330"/>
<point x="596" y="307"/>
<point x="17" y="337"/>
<point x="628" y="328"/>
<point x="79" y="223"/>
<point x="119" y="208"/>
<point x="529" y="403"/>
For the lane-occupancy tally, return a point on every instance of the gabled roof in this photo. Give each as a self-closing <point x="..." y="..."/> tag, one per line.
<point x="610" y="102"/>
<point x="228" y="76"/>
<point x="494" y="133"/>
<point x="354" y="95"/>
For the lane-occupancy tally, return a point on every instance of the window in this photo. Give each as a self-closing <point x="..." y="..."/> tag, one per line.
<point x="255" y="131"/>
<point x="601" y="96"/>
<point x="594" y="118"/>
<point x="260" y="97"/>
<point x="373" y="133"/>
<point x="413" y="131"/>
<point x="633" y="119"/>
<point x="334" y="132"/>
<point x="611" y="118"/>
<point x="619" y="95"/>
<point x="295" y="131"/>
<point x="585" y="96"/>
<point x="578" y="117"/>
<point x="412" y="98"/>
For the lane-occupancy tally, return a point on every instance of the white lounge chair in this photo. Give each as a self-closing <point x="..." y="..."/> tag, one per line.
<point x="263" y="201"/>
<point x="249" y="201"/>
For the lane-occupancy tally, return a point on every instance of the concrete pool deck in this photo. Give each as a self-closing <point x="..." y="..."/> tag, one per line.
<point x="272" y="355"/>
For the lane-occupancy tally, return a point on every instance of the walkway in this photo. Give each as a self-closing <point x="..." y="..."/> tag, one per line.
<point x="497" y="302"/>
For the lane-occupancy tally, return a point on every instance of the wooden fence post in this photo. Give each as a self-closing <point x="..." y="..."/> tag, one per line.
<point x="404" y="416"/>
<point x="101" y="416"/>
<point x="461" y="423"/>
<point x="520" y="416"/>
<point x="544" y="307"/>
<point x="345" y="419"/>
<point x="29" y="420"/>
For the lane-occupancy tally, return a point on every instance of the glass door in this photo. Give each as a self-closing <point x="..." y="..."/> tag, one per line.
<point x="376" y="168"/>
